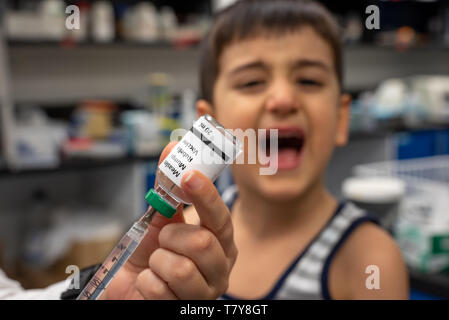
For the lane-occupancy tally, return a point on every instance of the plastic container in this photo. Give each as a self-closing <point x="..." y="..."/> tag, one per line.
<point x="422" y="226"/>
<point x="380" y="196"/>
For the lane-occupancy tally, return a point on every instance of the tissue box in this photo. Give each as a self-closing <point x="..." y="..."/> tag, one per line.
<point x="424" y="249"/>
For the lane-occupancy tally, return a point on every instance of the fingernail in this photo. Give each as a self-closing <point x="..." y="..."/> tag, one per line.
<point x="193" y="182"/>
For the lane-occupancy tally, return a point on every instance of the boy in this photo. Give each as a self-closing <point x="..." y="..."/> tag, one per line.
<point x="277" y="64"/>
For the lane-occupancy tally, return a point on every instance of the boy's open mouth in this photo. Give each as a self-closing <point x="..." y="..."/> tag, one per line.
<point x="290" y="145"/>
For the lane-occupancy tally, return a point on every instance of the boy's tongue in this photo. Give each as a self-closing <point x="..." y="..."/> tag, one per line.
<point x="288" y="158"/>
<point x="289" y="148"/>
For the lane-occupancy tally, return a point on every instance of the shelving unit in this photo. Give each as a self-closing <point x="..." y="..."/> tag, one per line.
<point x="56" y="74"/>
<point x="106" y="71"/>
<point x="6" y="101"/>
<point x="113" y="71"/>
<point x="81" y="164"/>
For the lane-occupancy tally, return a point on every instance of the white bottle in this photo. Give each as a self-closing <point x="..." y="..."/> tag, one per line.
<point x="168" y="23"/>
<point x="103" y="25"/>
<point x="52" y="19"/>
<point x="145" y="23"/>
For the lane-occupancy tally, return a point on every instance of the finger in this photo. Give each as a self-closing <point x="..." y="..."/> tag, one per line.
<point x="181" y="275"/>
<point x="151" y="240"/>
<point x="201" y="246"/>
<point x="151" y="287"/>
<point x="150" y="243"/>
<point x="213" y="213"/>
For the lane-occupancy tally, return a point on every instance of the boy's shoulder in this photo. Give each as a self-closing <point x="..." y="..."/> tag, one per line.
<point x="370" y="242"/>
<point x="368" y="252"/>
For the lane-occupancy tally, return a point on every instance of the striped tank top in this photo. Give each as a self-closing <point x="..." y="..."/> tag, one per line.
<point x="307" y="276"/>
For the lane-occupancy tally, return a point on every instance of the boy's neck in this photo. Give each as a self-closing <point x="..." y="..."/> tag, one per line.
<point x="264" y="217"/>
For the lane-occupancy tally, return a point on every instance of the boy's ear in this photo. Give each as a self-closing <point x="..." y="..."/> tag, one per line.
<point x="203" y="107"/>
<point x="343" y="120"/>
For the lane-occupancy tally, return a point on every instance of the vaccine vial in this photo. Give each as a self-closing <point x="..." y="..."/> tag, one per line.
<point x="207" y="147"/>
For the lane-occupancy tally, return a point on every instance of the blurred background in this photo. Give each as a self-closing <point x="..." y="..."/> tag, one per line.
<point x="85" y="113"/>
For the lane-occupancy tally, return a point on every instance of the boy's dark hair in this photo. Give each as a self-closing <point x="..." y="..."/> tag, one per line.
<point x="248" y="18"/>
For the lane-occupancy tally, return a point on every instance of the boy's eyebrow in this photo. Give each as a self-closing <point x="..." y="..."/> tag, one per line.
<point x="302" y="63"/>
<point x="251" y="65"/>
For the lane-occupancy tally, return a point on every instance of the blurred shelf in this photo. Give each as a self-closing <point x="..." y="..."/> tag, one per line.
<point x="194" y="43"/>
<point x="430" y="47"/>
<point x="386" y="130"/>
<point x="48" y="72"/>
<point x="73" y="45"/>
<point x="362" y="135"/>
<point x="77" y="164"/>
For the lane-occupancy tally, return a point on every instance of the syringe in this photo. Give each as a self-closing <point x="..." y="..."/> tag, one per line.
<point x="160" y="201"/>
<point x="222" y="149"/>
<point x="117" y="258"/>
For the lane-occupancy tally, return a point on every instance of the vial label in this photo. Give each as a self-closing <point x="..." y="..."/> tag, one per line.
<point x="204" y="148"/>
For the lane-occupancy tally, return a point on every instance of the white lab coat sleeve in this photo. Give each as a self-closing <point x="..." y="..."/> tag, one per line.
<point x="12" y="290"/>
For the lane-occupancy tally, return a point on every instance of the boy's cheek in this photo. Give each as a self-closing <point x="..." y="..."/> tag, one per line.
<point x="320" y="152"/>
<point x="236" y="110"/>
<point x="321" y="136"/>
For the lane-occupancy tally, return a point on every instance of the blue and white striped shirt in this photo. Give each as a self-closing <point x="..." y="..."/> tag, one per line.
<point x="307" y="276"/>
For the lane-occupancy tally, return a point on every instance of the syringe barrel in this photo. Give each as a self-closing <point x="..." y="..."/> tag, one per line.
<point x="116" y="259"/>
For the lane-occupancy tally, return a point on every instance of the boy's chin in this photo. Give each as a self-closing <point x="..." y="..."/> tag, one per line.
<point x="283" y="186"/>
<point x="282" y="189"/>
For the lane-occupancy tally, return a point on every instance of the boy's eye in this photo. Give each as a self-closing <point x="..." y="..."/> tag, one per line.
<point x="250" y="84"/>
<point x="309" y="82"/>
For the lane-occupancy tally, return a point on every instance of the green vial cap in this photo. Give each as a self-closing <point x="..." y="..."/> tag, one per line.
<point x="159" y="204"/>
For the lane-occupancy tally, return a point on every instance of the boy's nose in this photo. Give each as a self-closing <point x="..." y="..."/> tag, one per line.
<point x="282" y="100"/>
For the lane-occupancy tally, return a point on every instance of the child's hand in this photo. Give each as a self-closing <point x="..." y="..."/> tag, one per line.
<point x="176" y="260"/>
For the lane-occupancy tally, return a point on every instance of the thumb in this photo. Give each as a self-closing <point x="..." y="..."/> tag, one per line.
<point x="151" y="241"/>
